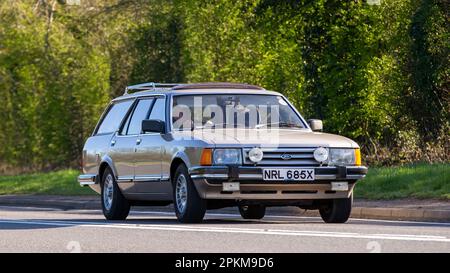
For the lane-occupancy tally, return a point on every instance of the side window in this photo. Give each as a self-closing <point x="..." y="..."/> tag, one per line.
<point x="159" y="110"/>
<point x="140" y="113"/>
<point x="114" y="117"/>
<point x="124" y="129"/>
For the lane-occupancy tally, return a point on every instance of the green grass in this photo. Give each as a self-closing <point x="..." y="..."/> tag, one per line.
<point x="412" y="181"/>
<point x="54" y="183"/>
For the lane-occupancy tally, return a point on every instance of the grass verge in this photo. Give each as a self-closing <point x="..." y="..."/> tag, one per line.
<point x="53" y="183"/>
<point x="411" y="181"/>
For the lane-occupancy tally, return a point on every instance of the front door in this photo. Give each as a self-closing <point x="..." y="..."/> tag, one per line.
<point x="148" y="175"/>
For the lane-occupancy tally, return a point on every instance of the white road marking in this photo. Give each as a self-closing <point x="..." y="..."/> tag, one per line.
<point x="300" y="217"/>
<point x="306" y="233"/>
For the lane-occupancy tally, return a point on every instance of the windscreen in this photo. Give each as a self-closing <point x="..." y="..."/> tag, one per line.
<point x="192" y="112"/>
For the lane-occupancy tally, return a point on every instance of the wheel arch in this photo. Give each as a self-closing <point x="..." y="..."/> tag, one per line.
<point x="105" y="163"/>
<point x="177" y="161"/>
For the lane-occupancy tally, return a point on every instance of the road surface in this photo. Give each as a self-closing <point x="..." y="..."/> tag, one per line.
<point x="154" y="230"/>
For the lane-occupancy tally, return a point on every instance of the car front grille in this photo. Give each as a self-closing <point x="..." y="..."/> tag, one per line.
<point x="284" y="157"/>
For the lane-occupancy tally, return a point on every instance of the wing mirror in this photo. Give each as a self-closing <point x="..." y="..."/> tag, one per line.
<point x="315" y="124"/>
<point x="153" y="126"/>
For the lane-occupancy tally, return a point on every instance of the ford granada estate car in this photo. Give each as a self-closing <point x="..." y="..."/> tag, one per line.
<point x="212" y="145"/>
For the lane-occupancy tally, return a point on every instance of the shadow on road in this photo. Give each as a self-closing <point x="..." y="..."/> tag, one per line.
<point x="33" y="224"/>
<point x="30" y="224"/>
<point x="166" y="217"/>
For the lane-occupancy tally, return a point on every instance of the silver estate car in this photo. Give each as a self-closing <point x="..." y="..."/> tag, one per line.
<point x="212" y="145"/>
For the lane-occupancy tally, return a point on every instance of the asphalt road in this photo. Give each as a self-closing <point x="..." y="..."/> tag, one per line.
<point x="51" y="230"/>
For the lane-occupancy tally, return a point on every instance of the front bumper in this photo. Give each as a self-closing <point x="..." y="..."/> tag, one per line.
<point x="208" y="181"/>
<point x="244" y="173"/>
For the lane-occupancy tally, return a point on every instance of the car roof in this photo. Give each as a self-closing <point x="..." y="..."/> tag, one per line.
<point x="152" y="89"/>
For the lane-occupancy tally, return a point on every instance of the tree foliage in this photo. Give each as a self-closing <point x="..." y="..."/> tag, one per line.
<point x="379" y="74"/>
<point x="50" y="89"/>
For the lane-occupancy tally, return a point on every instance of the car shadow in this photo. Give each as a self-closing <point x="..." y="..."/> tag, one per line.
<point x="165" y="216"/>
<point x="33" y="224"/>
<point x="30" y="224"/>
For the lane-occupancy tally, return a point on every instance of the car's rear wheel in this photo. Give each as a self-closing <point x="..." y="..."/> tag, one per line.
<point x="252" y="211"/>
<point x="114" y="204"/>
<point x="336" y="210"/>
<point x="189" y="206"/>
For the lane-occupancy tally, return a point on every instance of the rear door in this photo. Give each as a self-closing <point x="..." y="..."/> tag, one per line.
<point x="121" y="150"/>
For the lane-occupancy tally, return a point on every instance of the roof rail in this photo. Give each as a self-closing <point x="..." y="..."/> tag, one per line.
<point x="149" y="86"/>
<point x="217" y="85"/>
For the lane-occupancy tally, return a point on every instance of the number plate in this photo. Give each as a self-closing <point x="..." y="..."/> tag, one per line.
<point x="293" y="174"/>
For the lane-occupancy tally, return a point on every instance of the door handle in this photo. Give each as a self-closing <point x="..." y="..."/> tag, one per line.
<point x="138" y="141"/>
<point x="113" y="142"/>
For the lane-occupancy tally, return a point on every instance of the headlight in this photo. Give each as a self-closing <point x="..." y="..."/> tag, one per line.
<point x="342" y="157"/>
<point x="227" y="157"/>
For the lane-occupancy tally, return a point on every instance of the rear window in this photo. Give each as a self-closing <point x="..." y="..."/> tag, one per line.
<point x="114" y="117"/>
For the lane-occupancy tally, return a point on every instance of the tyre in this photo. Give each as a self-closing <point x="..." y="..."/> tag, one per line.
<point x="336" y="210"/>
<point x="189" y="207"/>
<point x="114" y="204"/>
<point x="252" y="211"/>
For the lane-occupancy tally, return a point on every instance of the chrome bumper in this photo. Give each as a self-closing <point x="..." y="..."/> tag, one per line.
<point x="209" y="183"/>
<point x="246" y="173"/>
<point x="87" y="179"/>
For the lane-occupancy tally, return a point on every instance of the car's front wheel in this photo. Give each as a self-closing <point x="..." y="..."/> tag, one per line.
<point x="189" y="206"/>
<point x="114" y="204"/>
<point x="252" y="211"/>
<point x="336" y="210"/>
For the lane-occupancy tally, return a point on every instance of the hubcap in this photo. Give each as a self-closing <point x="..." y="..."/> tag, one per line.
<point x="108" y="190"/>
<point x="181" y="193"/>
